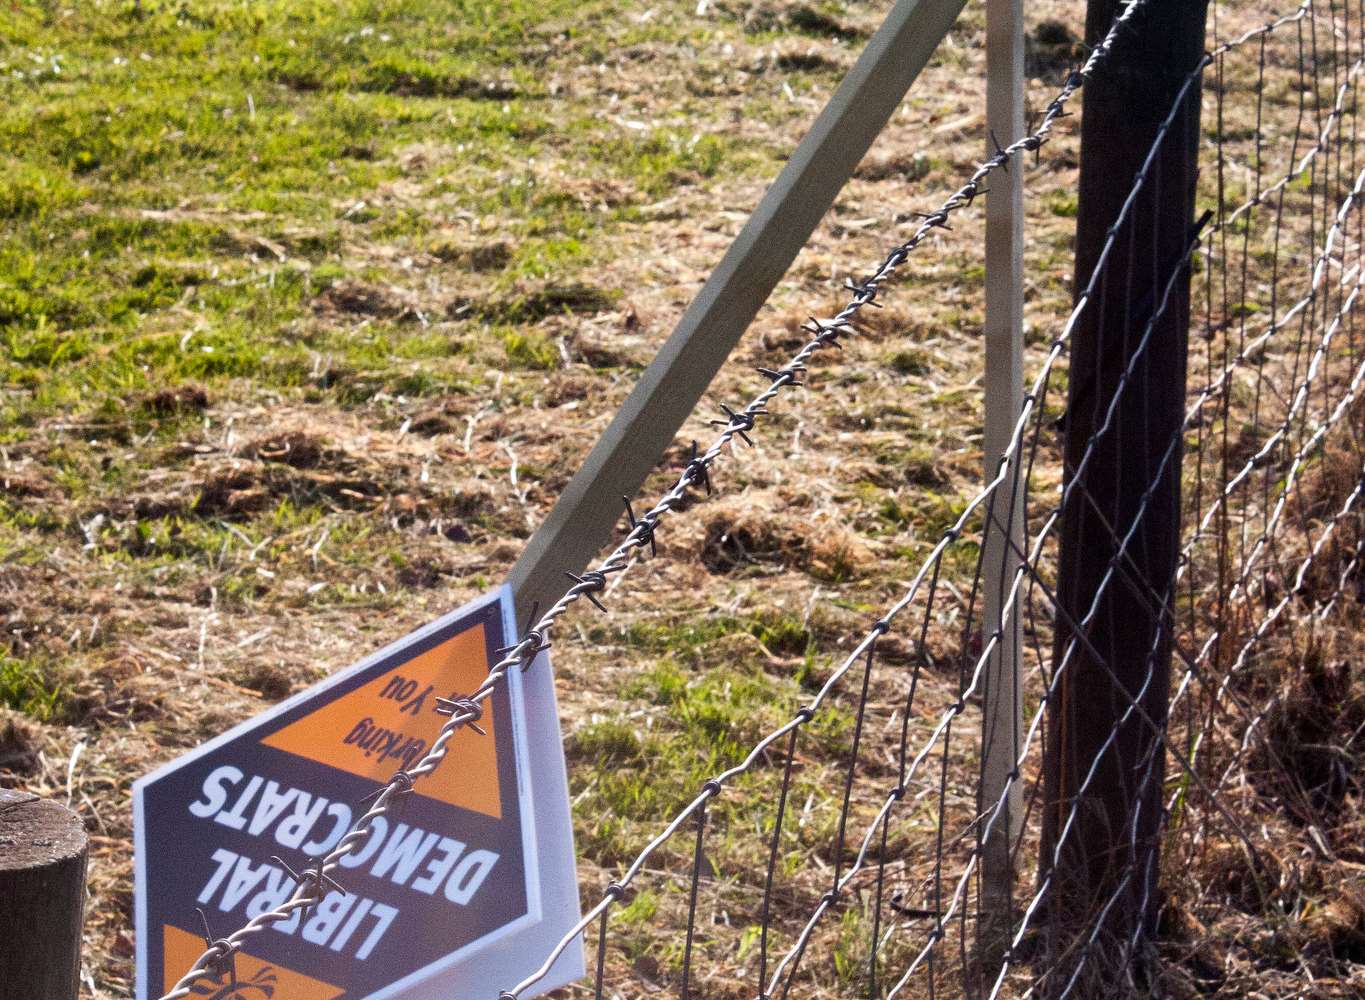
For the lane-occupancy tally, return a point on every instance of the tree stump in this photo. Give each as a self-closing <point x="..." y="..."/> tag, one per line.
<point x="43" y="850"/>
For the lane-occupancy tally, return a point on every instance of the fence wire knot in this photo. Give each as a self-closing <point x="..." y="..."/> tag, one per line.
<point x="470" y="709"/>
<point x="220" y="954"/>
<point x="827" y="334"/>
<point x="644" y="528"/>
<point x="866" y="291"/>
<point x="697" y="470"/>
<point x="589" y="585"/>
<point x="739" y="422"/>
<point x="401" y="783"/>
<point x="313" y="881"/>
<point x="790" y="375"/>
<point x="532" y="643"/>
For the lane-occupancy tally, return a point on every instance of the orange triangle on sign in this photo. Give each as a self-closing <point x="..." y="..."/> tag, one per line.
<point x="256" y="979"/>
<point x="365" y="731"/>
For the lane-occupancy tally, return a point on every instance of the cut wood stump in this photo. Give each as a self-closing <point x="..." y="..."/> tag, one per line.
<point x="43" y="850"/>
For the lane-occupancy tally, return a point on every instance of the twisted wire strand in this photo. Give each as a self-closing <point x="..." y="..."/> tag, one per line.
<point x="1291" y="594"/>
<point x="468" y="709"/>
<point x="1345" y="309"/>
<point x="961" y="198"/>
<point x="1306" y="449"/>
<point x="1297" y="462"/>
<point x="1263" y="628"/>
<point x="1133" y="702"/>
<point x="1302" y="165"/>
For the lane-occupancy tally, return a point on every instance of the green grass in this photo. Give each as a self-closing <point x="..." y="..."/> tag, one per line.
<point x="181" y="180"/>
<point x="27" y="686"/>
<point x="1062" y="204"/>
<point x="709" y="721"/>
<point x="227" y="197"/>
<point x="217" y="210"/>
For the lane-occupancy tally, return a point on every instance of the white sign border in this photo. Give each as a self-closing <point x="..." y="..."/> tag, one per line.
<point x="542" y="809"/>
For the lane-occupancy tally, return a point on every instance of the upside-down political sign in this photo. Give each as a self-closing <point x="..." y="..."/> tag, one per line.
<point x="459" y="893"/>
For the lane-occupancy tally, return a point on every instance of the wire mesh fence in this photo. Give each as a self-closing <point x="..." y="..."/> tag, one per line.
<point x="1267" y="454"/>
<point x="1183" y="814"/>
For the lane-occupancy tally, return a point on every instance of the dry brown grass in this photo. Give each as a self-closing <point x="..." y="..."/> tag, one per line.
<point x="294" y="530"/>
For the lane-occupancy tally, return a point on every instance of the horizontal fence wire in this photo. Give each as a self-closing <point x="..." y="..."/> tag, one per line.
<point x="1227" y="757"/>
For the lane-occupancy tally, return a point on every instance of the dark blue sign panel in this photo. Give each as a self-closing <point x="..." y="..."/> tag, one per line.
<point x="447" y="893"/>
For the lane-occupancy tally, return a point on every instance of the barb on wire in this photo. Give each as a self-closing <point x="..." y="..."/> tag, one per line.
<point x="222" y="963"/>
<point x="644" y="528"/>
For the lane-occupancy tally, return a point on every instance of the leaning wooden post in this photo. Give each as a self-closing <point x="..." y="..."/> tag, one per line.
<point x="590" y="505"/>
<point x="1004" y="389"/>
<point x="43" y="849"/>
<point x="1102" y="829"/>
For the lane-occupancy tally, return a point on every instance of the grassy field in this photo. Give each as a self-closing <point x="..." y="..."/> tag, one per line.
<point x="309" y="311"/>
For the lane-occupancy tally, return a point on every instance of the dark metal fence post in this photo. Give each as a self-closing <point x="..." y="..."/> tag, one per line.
<point x="1110" y="852"/>
<point x="43" y="849"/>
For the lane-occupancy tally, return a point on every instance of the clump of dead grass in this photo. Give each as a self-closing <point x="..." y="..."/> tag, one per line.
<point x="492" y="255"/>
<point x="1302" y="760"/>
<point x="297" y="449"/>
<point x="190" y="398"/>
<point x="1051" y="50"/>
<point x="358" y="298"/>
<point x="737" y="537"/>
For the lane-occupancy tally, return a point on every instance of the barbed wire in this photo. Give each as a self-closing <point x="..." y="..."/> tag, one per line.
<point x="313" y="887"/>
<point x="1293" y="436"/>
<point x="828" y="900"/>
<point x="315" y="884"/>
<point x="962" y="197"/>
